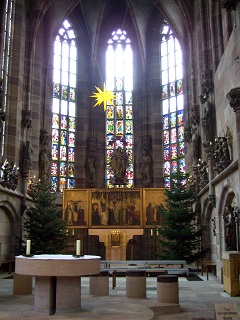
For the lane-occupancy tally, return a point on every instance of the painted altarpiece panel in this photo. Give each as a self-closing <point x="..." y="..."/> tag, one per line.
<point x="111" y="208"/>
<point x="116" y="208"/>
<point x="76" y="207"/>
<point x="153" y="201"/>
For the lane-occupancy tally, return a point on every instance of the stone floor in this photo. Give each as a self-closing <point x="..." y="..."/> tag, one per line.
<point x="197" y="299"/>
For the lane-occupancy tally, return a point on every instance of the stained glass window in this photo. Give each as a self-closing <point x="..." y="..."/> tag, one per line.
<point x="172" y="103"/>
<point x="64" y="108"/>
<point x="5" y="67"/>
<point x="119" y="119"/>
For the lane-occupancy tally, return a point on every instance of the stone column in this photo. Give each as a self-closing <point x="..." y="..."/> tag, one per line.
<point x="234" y="97"/>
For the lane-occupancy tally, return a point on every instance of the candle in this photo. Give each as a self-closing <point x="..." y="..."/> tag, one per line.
<point x="124" y="239"/>
<point x="151" y="232"/>
<point x="78" y="245"/>
<point x="106" y="240"/>
<point x="28" y="249"/>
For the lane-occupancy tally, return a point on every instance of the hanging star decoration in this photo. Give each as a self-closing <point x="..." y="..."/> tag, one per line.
<point x="103" y="97"/>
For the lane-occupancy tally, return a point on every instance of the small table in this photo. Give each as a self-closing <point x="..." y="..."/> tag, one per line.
<point x="207" y="264"/>
<point x="57" y="279"/>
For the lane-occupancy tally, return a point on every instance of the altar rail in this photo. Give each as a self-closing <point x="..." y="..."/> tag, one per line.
<point x="156" y="267"/>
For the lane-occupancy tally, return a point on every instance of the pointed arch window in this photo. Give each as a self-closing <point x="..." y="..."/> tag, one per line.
<point x="64" y="108"/>
<point x="119" y="119"/>
<point x="172" y="103"/>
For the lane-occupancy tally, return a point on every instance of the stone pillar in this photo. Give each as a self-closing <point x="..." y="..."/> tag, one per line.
<point x="99" y="284"/>
<point x="167" y="289"/>
<point x="234" y="98"/>
<point x="57" y="294"/>
<point x="22" y="284"/>
<point x="68" y="294"/>
<point x="136" y="284"/>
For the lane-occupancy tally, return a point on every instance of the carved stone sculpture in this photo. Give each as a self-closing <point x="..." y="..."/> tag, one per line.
<point x="195" y="144"/>
<point x="91" y="162"/>
<point x="119" y="163"/>
<point x="44" y="164"/>
<point x="27" y="119"/>
<point x="146" y="162"/>
<point x="27" y="157"/>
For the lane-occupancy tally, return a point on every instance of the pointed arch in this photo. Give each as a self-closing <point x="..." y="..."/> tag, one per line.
<point x="119" y="119"/>
<point x="64" y="108"/>
<point x="172" y="99"/>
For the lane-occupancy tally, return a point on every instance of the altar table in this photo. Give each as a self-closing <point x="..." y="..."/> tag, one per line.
<point x="57" y="279"/>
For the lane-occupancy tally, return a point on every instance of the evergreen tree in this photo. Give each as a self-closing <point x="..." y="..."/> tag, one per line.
<point x="43" y="222"/>
<point x="179" y="235"/>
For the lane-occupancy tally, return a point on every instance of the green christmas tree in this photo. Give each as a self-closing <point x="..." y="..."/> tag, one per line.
<point x="180" y="235"/>
<point x="43" y="222"/>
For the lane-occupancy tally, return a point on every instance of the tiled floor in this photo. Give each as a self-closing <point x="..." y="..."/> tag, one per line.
<point x="197" y="299"/>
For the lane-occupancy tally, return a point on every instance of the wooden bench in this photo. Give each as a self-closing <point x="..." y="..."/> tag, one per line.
<point x="142" y="263"/>
<point x="156" y="267"/>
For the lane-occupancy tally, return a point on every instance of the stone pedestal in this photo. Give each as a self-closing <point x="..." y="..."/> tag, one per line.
<point x="44" y="295"/>
<point x="22" y="284"/>
<point x="136" y="284"/>
<point x="57" y="294"/>
<point x="167" y="289"/>
<point x="115" y="252"/>
<point x="68" y="294"/>
<point x="99" y="284"/>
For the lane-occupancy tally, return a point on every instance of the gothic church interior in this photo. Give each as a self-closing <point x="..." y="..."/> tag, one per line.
<point x="174" y="67"/>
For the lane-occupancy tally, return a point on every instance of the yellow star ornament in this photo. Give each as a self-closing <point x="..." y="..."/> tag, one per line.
<point x="103" y="97"/>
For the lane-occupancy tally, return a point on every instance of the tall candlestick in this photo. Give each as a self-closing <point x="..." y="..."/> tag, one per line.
<point x="106" y="240"/>
<point x="124" y="239"/>
<point x="78" y="246"/>
<point x="28" y="248"/>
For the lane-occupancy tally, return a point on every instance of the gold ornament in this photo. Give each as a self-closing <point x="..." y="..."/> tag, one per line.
<point x="103" y="97"/>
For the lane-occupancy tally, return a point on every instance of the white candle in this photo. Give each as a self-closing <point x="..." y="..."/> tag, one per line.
<point x="78" y="245"/>
<point x="28" y="248"/>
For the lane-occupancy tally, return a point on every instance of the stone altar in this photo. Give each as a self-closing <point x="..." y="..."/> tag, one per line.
<point x="57" y="279"/>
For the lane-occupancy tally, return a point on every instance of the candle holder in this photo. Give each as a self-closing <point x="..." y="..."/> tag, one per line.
<point x="78" y="255"/>
<point x="28" y="255"/>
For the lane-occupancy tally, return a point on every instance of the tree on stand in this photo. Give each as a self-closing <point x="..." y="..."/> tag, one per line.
<point x="179" y="236"/>
<point x="43" y="222"/>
